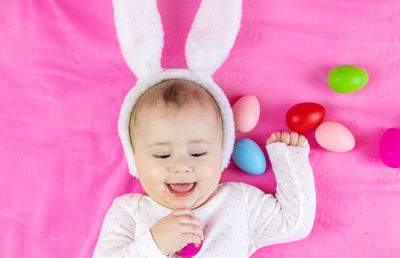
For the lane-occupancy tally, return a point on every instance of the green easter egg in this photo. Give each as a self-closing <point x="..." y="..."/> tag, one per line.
<point x="347" y="78"/>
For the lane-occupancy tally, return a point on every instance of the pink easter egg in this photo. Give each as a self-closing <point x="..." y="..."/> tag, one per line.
<point x="334" y="136"/>
<point x="190" y="250"/>
<point x="389" y="148"/>
<point x="246" y="112"/>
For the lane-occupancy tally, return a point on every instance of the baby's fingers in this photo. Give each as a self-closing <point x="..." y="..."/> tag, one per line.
<point x="182" y="211"/>
<point x="285" y="137"/>
<point x="272" y="138"/>
<point x="187" y="219"/>
<point x="278" y="135"/>
<point x="192" y="238"/>
<point x="192" y="229"/>
<point x="301" y="140"/>
<point x="294" y="138"/>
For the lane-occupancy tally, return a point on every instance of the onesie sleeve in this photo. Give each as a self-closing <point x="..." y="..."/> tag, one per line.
<point x="117" y="236"/>
<point x="289" y="216"/>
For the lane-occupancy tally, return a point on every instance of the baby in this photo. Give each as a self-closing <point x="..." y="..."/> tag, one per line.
<point x="176" y="133"/>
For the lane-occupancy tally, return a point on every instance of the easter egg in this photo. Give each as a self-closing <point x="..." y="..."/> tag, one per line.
<point x="347" y="78"/>
<point x="334" y="136"/>
<point x="246" y="112"/>
<point x="389" y="148"/>
<point x="249" y="157"/>
<point x="305" y="116"/>
<point x="190" y="250"/>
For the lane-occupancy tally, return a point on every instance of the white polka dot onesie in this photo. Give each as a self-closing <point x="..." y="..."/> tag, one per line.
<point x="237" y="220"/>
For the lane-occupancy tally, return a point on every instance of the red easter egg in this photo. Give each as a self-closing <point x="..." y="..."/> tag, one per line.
<point x="190" y="250"/>
<point x="305" y="116"/>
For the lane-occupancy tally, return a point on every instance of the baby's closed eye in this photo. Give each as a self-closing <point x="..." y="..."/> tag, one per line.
<point x="198" y="154"/>
<point x="161" y="156"/>
<point x="164" y="156"/>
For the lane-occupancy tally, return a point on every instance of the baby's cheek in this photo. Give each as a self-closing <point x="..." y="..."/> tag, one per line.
<point x="209" y="167"/>
<point x="209" y="178"/>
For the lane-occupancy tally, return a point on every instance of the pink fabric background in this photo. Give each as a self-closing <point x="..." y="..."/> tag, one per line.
<point x="63" y="80"/>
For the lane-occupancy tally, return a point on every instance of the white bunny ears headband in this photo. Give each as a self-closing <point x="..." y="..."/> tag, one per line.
<point x="209" y="42"/>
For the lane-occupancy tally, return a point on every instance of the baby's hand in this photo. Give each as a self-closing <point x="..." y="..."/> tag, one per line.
<point x="292" y="138"/>
<point x="173" y="232"/>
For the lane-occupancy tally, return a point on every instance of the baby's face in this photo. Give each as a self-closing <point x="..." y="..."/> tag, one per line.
<point x="185" y="148"/>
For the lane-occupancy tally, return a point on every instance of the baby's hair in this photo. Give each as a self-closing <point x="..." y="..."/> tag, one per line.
<point x="174" y="94"/>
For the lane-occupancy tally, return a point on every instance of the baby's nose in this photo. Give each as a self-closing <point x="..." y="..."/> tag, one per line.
<point x="181" y="164"/>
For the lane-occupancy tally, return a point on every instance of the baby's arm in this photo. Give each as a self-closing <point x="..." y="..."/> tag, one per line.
<point x="289" y="216"/>
<point x="117" y="236"/>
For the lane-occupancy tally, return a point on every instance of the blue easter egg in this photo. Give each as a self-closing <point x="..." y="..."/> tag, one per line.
<point x="249" y="157"/>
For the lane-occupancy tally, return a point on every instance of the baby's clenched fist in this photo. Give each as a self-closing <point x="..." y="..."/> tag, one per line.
<point x="173" y="232"/>
<point x="292" y="138"/>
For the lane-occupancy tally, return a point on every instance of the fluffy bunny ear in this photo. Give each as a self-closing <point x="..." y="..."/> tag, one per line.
<point x="140" y="35"/>
<point x="213" y="34"/>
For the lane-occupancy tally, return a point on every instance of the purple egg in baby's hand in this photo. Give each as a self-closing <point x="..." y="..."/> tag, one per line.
<point x="190" y="250"/>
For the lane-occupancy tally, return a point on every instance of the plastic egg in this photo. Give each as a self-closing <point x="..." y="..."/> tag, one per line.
<point x="334" y="136"/>
<point x="246" y="112"/>
<point x="347" y="78"/>
<point x="389" y="148"/>
<point x="305" y="116"/>
<point x="190" y="250"/>
<point x="249" y="157"/>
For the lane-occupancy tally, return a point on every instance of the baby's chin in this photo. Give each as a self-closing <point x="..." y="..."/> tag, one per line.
<point x="174" y="205"/>
<point x="187" y="206"/>
<point x="186" y="203"/>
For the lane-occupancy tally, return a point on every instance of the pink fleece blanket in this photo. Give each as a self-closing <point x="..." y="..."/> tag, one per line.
<point x="63" y="80"/>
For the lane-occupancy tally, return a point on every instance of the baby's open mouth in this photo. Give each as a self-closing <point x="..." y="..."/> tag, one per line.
<point x="181" y="187"/>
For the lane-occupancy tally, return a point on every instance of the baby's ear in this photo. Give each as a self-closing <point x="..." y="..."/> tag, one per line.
<point x="140" y="35"/>
<point x="212" y="35"/>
